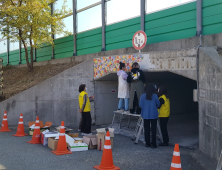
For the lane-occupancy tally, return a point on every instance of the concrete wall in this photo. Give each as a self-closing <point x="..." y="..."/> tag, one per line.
<point x="55" y="99"/>
<point x="106" y="101"/>
<point x="210" y="102"/>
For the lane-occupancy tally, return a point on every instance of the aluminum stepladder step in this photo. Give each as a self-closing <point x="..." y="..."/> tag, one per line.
<point x="139" y="128"/>
<point x="123" y="116"/>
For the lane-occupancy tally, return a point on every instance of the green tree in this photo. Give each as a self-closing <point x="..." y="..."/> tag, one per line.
<point x="32" y="23"/>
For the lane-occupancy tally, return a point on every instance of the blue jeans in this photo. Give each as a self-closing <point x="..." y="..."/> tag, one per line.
<point x="126" y="102"/>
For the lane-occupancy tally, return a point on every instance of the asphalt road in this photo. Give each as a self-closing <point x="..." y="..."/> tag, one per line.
<point x="16" y="154"/>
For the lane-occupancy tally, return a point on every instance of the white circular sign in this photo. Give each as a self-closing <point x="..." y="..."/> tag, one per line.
<point x="139" y="40"/>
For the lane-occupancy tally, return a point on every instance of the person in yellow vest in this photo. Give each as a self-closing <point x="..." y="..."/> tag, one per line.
<point x="85" y="108"/>
<point x="164" y="113"/>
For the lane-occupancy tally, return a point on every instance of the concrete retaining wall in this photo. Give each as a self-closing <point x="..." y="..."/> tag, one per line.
<point x="210" y="102"/>
<point x="55" y="99"/>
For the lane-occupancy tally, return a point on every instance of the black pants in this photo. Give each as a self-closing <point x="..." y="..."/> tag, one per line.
<point x="136" y="106"/>
<point x="80" y="124"/>
<point x="163" y="126"/>
<point x="147" y="130"/>
<point x="86" y="122"/>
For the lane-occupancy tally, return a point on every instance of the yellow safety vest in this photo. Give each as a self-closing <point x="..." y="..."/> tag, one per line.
<point x="164" y="110"/>
<point x="81" y="100"/>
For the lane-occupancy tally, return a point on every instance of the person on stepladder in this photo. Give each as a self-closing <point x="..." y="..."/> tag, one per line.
<point x="164" y="114"/>
<point x="123" y="89"/>
<point x="137" y="80"/>
<point x="149" y="103"/>
<point x="84" y="109"/>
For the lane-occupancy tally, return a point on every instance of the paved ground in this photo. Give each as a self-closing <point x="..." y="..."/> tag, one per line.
<point x="16" y="154"/>
<point x="183" y="129"/>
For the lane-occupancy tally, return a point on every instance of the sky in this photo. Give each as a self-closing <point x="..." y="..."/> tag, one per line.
<point x="117" y="10"/>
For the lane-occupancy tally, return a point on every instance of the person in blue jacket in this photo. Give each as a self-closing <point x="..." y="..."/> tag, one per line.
<point x="149" y="103"/>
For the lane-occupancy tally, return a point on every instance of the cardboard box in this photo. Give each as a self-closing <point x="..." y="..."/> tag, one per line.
<point x="103" y="130"/>
<point x="76" y="138"/>
<point x="52" y="143"/>
<point x="91" y="141"/>
<point x="42" y="128"/>
<point x="101" y="141"/>
<point x="101" y="134"/>
<point x="45" y="135"/>
<point x="78" y="147"/>
<point x="74" y="135"/>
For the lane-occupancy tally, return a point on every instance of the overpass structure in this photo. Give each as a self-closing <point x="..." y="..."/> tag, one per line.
<point x="175" y="56"/>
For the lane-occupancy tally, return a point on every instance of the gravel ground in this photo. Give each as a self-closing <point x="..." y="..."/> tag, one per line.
<point x="16" y="154"/>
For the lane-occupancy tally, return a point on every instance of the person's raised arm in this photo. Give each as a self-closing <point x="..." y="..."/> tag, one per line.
<point x="161" y="102"/>
<point x="129" y="78"/>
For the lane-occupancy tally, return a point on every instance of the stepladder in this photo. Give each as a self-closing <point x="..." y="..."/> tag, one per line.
<point x="140" y="129"/>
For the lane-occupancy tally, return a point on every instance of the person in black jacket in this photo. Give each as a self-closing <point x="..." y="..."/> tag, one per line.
<point x="137" y="79"/>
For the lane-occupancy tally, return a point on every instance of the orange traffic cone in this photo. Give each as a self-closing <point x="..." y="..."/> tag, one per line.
<point x="176" y="163"/>
<point x="62" y="147"/>
<point x="36" y="134"/>
<point x="5" y="123"/>
<point x="20" y="129"/>
<point x="107" y="158"/>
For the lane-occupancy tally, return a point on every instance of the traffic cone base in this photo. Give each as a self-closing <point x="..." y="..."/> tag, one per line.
<point x="61" y="152"/>
<point x="36" y="134"/>
<point x="34" y="142"/>
<point x="7" y="130"/>
<point x="20" y="135"/>
<point x="4" y="127"/>
<point x="20" y="129"/>
<point x="107" y="158"/>
<point x="104" y="168"/>
<point x="62" y="147"/>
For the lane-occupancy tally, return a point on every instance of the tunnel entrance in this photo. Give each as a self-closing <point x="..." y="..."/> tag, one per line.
<point x="183" y="121"/>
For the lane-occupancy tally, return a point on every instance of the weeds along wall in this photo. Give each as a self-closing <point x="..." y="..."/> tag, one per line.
<point x="174" y="23"/>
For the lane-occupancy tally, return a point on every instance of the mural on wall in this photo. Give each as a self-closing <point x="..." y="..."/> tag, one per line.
<point x="106" y="65"/>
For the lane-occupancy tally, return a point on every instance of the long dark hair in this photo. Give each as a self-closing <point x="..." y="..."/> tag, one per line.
<point x="82" y="88"/>
<point x="121" y="65"/>
<point x="163" y="91"/>
<point x="150" y="90"/>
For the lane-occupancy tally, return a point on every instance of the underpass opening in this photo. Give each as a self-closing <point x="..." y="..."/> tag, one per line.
<point x="183" y="122"/>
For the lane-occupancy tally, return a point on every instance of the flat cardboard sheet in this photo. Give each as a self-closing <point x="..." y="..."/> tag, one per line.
<point x="47" y="125"/>
<point x="40" y="123"/>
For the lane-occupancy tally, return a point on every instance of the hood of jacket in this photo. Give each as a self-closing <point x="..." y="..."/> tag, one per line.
<point x="134" y="70"/>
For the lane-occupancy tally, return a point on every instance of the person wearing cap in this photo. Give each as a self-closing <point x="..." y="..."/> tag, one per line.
<point x="137" y="80"/>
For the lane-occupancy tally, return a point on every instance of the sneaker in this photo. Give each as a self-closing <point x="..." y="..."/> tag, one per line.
<point x="120" y="110"/>
<point x="126" y="112"/>
<point x="79" y="130"/>
<point x="86" y="134"/>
